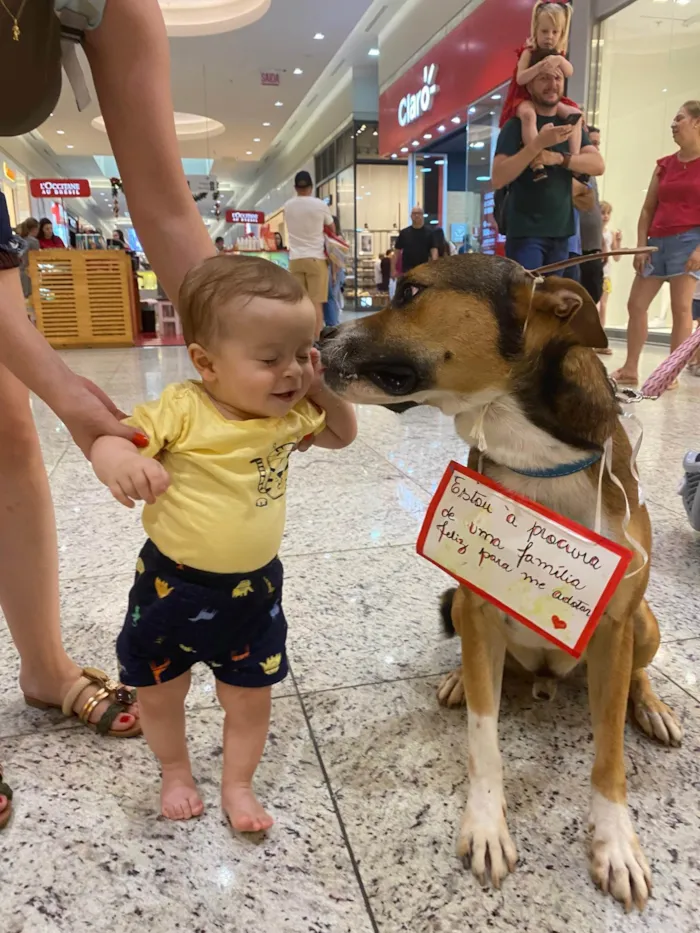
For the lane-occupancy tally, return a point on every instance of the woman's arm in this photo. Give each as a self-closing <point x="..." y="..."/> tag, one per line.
<point x="648" y="209"/>
<point x="130" y="61"/>
<point x="525" y="72"/>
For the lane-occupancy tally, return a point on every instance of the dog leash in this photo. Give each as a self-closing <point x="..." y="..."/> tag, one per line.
<point x="589" y="257"/>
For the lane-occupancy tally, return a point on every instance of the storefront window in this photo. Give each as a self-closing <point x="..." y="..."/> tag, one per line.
<point x="482" y="134"/>
<point x="645" y="65"/>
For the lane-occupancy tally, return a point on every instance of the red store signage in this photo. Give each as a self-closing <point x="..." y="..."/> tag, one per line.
<point x="245" y="217"/>
<point x="59" y="188"/>
<point x="474" y="58"/>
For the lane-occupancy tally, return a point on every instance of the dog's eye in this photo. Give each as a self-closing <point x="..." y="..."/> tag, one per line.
<point x="407" y="292"/>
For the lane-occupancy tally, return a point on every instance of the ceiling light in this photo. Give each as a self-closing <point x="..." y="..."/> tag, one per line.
<point x="69" y="146"/>
<point x="404" y="149"/>
<point x="456" y="120"/>
<point x="492" y="113"/>
<point x="278" y="103"/>
<point x="442" y="128"/>
<point x="61" y="132"/>
<point x="427" y="135"/>
<point x="424" y="170"/>
<point x="257" y="139"/>
<point x="373" y="52"/>
<point x="298" y="71"/>
<point x="415" y="143"/>
<point x="319" y="35"/>
<point x="477" y="145"/>
<point x="267" y="124"/>
<point x="249" y="152"/>
<point x="375" y="133"/>
<point x="495" y="97"/>
<point x="483" y="178"/>
<point x="394" y="155"/>
<point x="435" y="222"/>
<point x="440" y="162"/>
<point x="472" y="110"/>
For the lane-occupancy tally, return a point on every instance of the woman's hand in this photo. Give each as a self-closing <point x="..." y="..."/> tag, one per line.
<point x="89" y="413"/>
<point x="641" y="261"/>
<point x="693" y="264"/>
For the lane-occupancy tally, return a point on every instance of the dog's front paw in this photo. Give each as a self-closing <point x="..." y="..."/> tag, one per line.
<point x="451" y="689"/>
<point x="618" y="865"/>
<point x="658" y="721"/>
<point x="484" y="842"/>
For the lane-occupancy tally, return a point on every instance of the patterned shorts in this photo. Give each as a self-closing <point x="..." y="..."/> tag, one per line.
<point x="177" y="616"/>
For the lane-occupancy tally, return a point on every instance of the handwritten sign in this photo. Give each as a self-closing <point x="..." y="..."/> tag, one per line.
<point x="551" y="574"/>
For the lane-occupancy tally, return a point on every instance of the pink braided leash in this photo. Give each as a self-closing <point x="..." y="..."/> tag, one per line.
<point x="663" y="375"/>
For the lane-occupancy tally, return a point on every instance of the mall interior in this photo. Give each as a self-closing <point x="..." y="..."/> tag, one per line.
<point x="388" y="104"/>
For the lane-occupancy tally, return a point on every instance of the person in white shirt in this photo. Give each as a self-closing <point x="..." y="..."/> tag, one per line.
<point x="305" y="217"/>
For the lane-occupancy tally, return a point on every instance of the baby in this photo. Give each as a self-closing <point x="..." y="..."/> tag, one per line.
<point x="208" y="581"/>
<point x="545" y="49"/>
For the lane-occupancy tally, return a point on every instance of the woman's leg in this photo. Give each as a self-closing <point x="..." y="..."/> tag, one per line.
<point x="643" y="292"/>
<point x="682" y="289"/>
<point x="29" y="558"/>
<point x="603" y="307"/>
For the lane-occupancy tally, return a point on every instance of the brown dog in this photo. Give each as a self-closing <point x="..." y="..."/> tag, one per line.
<point x="472" y="336"/>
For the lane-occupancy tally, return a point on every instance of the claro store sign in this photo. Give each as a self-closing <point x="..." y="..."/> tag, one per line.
<point x="413" y="106"/>
<point x="434" y="95"/>
<point x="59" y="188"/>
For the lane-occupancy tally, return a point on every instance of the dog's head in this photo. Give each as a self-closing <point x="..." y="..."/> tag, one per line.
<point x="456" y="328"/>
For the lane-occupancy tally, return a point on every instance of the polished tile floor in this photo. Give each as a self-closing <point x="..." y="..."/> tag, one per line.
<point x="363" y="771"/>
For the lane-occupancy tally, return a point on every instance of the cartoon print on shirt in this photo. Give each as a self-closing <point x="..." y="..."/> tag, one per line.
<point x="272" y="471"/>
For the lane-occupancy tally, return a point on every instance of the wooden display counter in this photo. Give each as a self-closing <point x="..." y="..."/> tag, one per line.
<point x="83" y="298"/>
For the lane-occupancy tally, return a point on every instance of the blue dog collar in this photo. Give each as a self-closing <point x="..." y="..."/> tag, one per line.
<point x="564" y="469"/>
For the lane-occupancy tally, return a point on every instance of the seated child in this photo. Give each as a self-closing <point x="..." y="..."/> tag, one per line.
<point x="546" y="48"/>
<point x="208" y="581"/>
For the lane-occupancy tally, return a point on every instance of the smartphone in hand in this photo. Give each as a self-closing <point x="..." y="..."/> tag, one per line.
<point x="573" y="119"/>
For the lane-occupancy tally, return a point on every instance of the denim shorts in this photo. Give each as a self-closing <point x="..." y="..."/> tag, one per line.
<point x="673" y="253"/>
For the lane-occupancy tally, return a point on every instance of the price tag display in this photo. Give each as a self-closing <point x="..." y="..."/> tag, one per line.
<point x="547" y="572"/>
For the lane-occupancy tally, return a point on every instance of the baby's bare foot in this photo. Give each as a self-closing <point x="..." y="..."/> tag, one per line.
<point x="244" y="810"/>
<point x="178" y="797"/>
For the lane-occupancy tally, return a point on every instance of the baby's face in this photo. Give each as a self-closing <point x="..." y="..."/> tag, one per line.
<point x="266" y="368"/>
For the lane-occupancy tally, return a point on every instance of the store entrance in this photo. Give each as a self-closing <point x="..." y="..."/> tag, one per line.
<point x="453" y="177"/>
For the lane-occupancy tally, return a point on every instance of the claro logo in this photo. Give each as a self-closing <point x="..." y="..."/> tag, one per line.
<point x="414" y="106"/>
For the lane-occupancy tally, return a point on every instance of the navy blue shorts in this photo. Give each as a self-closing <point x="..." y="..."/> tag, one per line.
<point x="178" y="616"/>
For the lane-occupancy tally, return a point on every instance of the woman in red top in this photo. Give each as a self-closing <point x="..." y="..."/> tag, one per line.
<point x="46" y="237"/>
<point x="670" y="220"/>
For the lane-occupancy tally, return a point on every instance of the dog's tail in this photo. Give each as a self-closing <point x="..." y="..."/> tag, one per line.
<point x="446" y="601"/>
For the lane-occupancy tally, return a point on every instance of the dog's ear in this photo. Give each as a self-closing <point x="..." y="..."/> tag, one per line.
<point x="570" y="303"/>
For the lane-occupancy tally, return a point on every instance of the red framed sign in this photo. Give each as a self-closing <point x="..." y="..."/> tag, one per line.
<point x="553" y="575"/>
<point x="245" y="217"/>
<point x="59" y="187"/>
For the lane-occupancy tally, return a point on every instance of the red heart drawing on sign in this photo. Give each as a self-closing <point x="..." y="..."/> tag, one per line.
<point x="558" y="623"/>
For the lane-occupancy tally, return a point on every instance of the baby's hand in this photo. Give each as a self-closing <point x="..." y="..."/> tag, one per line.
<point x="138" y="478"/>
<point x="317" y="381"/>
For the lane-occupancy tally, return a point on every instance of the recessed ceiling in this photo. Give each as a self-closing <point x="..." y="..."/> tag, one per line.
<point x="188" y="126"/>
<point x="207" y="17"/>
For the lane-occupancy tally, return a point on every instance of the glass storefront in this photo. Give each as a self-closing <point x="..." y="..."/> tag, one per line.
<point x="368" y="196"/>
<point x="645" y="64"/>
<point x="465" y="206"/>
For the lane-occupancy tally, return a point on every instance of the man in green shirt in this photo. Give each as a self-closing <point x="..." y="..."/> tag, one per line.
<point x="540" y="215"/>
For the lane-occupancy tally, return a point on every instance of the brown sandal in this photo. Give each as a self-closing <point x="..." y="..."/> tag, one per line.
<point x="107" y="689"/>
<point x="5" y="791"/>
